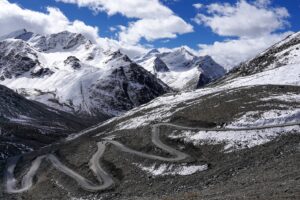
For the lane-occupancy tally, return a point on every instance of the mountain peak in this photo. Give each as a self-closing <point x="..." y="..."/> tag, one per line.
<point x="185" y="51"/>
<point x="160" y="66"/>
<point x="149" y="54"/>
<point x="14" y="35"/>
<point x="153" y="51"/>
<point x="64" y="40"/>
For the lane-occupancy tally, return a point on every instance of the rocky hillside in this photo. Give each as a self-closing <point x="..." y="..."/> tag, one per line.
<point x="67" y="72"/>
<point x="26" y="125"/>
<point x="180" y="69"/>
<point x="286" y="52"/>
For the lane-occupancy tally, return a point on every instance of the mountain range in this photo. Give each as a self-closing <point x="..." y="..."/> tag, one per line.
<point x="171" y="118"/>
<point x="67" y="72"/>
<point x="180" y="69"/>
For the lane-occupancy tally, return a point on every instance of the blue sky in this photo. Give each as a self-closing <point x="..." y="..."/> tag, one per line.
<point x="183" y="8"/>
<point x="216" y="27"/>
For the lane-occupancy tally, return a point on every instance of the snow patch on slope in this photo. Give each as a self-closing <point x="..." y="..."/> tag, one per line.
<point x="271" y="117"/>
<point x="287" y="98"/>
<point x="165" y="170"/>
<point x="285" y="75"/>
<point x="234" y="140"/>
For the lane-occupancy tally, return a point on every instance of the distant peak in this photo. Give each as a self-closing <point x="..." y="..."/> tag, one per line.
<point x="118" y="54"/>
<point x="64" y="32"/>
<point x="14" y="34"/>
<point x="67" y="33"/>
<point x="184" y="50"/>
<point x="207" y="57"/>
<point x="153" y="51"/>
<point x="146" y="56"/>
<point x="20" y="31"/>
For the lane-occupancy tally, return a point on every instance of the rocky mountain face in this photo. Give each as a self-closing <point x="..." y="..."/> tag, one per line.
<point x="26" y="125"/>
<point x="67" y="72"/>
<point x="57" y="42"/>
<point x="180" y="69"/>
<point x="16" y="59"/>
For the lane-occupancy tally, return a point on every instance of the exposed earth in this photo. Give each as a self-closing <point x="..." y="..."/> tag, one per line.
<point x="267" y="171"/>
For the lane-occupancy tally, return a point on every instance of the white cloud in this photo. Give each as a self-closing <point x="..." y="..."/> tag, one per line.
<point x="13" y="17"/>
<point x="152" y="20"/>
<point x="198" y="5"/>
<point x="152" y="29"/>
<point x="112" y="29"/>
<point x="243" y="19"/>
<point x="253" y="24"/>
<point x="128" y="8"/>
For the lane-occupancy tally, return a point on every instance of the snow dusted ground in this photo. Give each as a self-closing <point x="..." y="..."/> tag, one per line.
<point x="160" y="109"/>
<point x="234" y="140"/>
<point x="272" y="117"/>
<point x="165" y="169"/>
<point x="288" y="98"/>
<point x="285" y="75"/>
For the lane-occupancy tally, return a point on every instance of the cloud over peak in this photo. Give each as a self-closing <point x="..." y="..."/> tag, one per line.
<point x="13" y="17"/>
<point x="151" y="20"/>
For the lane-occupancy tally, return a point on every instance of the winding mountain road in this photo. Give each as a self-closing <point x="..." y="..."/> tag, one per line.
<point x="178" y="156"/>
<point x="105" y="180"/>
<point x="27" y="180"/>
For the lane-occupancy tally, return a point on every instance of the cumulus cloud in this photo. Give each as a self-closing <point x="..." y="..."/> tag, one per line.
<point x="151" y="19"/>
<point x="128" y="8"/>
<point x="13" y="17"/>
<point x="243" y="19"/>
<point x="152" y="29"/>
<point x="254" y="26"/>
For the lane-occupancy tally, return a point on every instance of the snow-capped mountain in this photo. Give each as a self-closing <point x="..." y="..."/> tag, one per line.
<point x="238" y="129"/>
<point x="16" y="58"/>
<point x="180" y="69"/>
<point x="70" y="73"/>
